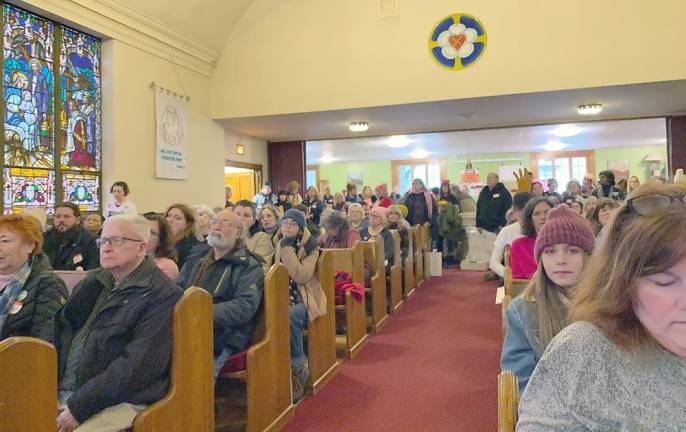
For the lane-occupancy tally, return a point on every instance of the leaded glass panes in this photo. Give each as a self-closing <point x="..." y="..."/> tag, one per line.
<point x="80" y="97"/>
<point x="82" y="190"/>
<point x="29" y="187"/>
<point x="28" y="89"/>
<point x="52" y="110"/>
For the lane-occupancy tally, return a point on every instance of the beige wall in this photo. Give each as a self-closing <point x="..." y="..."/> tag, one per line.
<point x="255" y="149"/>
<point x="289" y="56"/>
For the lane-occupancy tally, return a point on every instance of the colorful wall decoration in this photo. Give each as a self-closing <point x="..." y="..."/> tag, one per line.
<point x="458" y="41"/>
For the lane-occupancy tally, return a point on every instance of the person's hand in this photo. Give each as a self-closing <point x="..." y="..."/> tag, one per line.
<point x="66" y="421"/>
<point x="524" y="180"/>
<point x="289" y="241"/>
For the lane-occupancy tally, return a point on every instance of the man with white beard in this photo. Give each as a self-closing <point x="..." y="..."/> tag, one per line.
<point x="235" y="279"/>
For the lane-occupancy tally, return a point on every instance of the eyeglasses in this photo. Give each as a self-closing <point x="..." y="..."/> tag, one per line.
<point x="647" y="204"/>
<point x="221" y="223"/>
<point x="114" y="241"/>
<point x="289" y="224"/>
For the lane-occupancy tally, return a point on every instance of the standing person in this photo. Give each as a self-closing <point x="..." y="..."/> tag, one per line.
<point x="588" y="186"/>
<point x="382" y="198"/>
<point x="203" y="215"/>
<point x="68" y="245"/>
<point x="264" y="195"/>
<point x="606" y="187"/>
<point x="368" y="196"/>
<point x="337" y="232"/>
<point x="257" y="241"/>
<point x="351" y="195"/>
<point x="621" y="364"/>
<point x="181" y="218"/>
<point x="234" y="277"/>
<point x="492" y="204"/>
<point x="552" y="191"/>
<point x="121" y="203"/>
<point x="298" y="251"/>
<point x="508" y="234"/>
<point x="327" y="197"/>
<point x="228" y="193"/>
<point x="282" y="203"/>
<point x="421" y="207"/>
<point x="339" y="202"/>
<point x="535" y="317"/>
<point x="522" y="257"/>
<point x="313" y="202"/>
<point x="161" y="245"/>
<point x="30" y="292"/>
<point x="632" y="185"/>
<point x="446" y="194"/>
<point x="114" y="335"/>
<point x="294" y="197"/>
<point x="572" y="194"/>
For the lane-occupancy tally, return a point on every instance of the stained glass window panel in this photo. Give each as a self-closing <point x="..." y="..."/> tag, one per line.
<point x="29" y="188"/>
<point x="28" y="82"/>
<point x="82" y="190"/>
<point x="80" y="133"/>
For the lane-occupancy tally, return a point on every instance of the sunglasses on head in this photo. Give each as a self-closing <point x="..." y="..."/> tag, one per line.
<point x="647" y="204"/>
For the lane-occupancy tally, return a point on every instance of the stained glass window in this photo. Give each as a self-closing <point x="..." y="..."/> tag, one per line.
<point x="82" y="190"/>
<point x="29" y="187"/>
<point x="52" y="110"/>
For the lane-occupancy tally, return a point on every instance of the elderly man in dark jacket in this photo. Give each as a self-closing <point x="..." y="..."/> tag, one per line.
<point x="493" y="203"/>
<point x="114" y="335"/>
<point x="235" y="278"/>
<point x="68" y="244"/>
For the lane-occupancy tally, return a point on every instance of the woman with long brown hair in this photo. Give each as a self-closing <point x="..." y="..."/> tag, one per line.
<point x="621" y="364"/>
<point x="536" y="316"/>
<point x="181" y="218"/>
<point x="161" y="244"/>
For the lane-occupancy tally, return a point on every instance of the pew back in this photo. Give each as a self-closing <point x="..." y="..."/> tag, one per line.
<point x="189" y="404"/>
<point x="508" y="401"/>
<point x="71" y="278"/>
<point x="375" y="259"/>
<point x="418" y="256"/>
<point x="395" y="278"/>
<point x="408" y="269"/>
<point x="28" y="385"/>
<point x="426" y="248"/>
<point x="513" y="287"/>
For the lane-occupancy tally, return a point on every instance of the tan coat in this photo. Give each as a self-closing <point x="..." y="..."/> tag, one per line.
<point x="260" y="244"/>
<point x="303" y="270"/>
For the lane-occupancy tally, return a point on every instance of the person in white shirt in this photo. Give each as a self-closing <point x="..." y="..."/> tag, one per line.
<point x="121" y="203"/>
<point x="509" y="233"/>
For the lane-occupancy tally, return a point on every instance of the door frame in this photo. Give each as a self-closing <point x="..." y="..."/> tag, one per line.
<point x="257" y="168"/>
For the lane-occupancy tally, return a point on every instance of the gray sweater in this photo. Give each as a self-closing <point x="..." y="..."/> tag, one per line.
<point x="584" y="382"/>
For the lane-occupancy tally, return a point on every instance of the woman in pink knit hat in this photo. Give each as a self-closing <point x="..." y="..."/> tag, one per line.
<point x="377" y="227"/>
<point x="535" y="317"/>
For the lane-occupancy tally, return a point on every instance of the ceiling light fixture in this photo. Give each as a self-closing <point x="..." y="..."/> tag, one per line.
<point x="398" y="141"/>
<point x="358" y="126"/>
<point x="554" y="146"/>
<point x="589" y="109"/>
<point x="419" y="154"/>
<point x="566" y="130"/>
<point x="326" y="159"/>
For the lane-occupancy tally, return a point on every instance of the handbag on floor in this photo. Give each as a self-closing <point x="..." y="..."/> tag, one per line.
<point x="435" y="263"/>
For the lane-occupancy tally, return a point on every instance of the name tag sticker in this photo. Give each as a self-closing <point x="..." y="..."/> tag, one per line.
<point x="77" y="258"/>
<point x="496" y="195"/>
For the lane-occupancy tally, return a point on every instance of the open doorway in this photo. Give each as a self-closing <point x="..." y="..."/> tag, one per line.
<point x="245" y="179"/>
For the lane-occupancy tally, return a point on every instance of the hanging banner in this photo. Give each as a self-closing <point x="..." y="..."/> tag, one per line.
<point x="170" y="157"/>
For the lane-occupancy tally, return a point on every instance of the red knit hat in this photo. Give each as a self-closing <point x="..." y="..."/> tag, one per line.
<point x="564" y="226"/>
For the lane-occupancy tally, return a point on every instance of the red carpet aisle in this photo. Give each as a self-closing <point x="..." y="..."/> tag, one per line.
<point x="433" y="368"/>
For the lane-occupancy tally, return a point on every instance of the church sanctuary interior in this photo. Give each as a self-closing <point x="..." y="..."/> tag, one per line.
<point x="358" y="215"/>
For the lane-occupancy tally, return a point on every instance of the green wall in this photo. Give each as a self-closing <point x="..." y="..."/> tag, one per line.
<point x="375" y="172"/>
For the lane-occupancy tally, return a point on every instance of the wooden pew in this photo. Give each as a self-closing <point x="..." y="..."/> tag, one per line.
<point x="189" y="404"/>
<point x="28" y="385"/>
<point x="409" y="281"/>
<point x="351" y="315"/>
<point x="71" y="278"/>
<point x="321" y="333"/>
<point x="268" y="360"/>
<point x="514" y="287"/>
<point x="426" y="248"/>
<point x="418" y="256"/>
<point x="508" y="401"/>
<point x="376" y="293"/>
<point x="394" y="282"/>
<point x="503" y="309"/>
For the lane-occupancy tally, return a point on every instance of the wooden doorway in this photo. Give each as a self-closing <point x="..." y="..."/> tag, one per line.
<point x="245" y="179"/>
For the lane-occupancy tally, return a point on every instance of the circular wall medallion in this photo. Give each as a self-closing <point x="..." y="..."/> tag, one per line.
<point x="457" y="41"/>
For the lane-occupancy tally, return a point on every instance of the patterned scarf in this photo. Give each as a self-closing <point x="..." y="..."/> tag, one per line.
<point x="12" y="290"/>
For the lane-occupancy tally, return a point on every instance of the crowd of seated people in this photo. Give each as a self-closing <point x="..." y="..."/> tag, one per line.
<point x="574" y="310"/>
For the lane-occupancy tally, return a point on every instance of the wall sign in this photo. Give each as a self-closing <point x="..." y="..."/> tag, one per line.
<point x="457" y="41"/>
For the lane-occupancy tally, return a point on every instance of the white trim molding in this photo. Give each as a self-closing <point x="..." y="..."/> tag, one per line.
<point x="112" y="20"/>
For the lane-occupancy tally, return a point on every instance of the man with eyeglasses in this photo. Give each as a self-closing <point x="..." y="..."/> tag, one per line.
<point x="225" y="268"/>
<point x="114" y="334"/>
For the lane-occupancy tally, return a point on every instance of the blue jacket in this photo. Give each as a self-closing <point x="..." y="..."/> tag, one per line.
<point x="261" y="198"/>
<point x="236" y="283"/>
<point x="522" y="346"/>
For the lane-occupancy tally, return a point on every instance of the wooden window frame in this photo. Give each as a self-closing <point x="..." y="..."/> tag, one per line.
<point x="395" y="169"/>
<point x="588" y="154"/>
<point x="314" y="168"/>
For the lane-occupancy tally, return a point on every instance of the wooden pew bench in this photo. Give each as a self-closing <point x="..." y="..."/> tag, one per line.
<point x="71" y="278"/>
<point x="375" y="293"/>
<point x="408" y="269"/>
<point x="394" y="281"/>
<point x="267" y="373"/>
<point x="514" y="287"/>
<point x="28" y="385"/>
<point x="425" y="235"/>
<point x="418" y="256"/>
<point x="508" y="401"/>
<point x="351" y="315"/>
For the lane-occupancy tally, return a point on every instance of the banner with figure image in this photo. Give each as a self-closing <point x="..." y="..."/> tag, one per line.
<point x="170" y="157"/>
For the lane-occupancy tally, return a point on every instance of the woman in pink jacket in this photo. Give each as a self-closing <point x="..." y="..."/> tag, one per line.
<point x="522" y="258"/>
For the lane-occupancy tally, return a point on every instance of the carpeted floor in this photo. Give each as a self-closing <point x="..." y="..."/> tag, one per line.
<point x="432" y="368"/>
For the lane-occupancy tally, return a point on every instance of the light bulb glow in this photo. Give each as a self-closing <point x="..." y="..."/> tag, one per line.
<point x="589" y="109"/>
<point x="358" y="126"/>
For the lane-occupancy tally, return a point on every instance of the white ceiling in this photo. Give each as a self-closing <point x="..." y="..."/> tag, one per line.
<point x="592" y="135"/>
<point x="209" y="22"/>
<point x="619" y="102"/>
